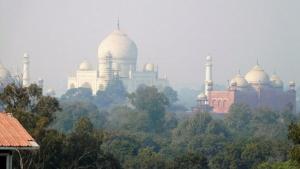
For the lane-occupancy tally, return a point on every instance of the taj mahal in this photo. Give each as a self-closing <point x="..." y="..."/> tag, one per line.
<point x="117" y="58"/>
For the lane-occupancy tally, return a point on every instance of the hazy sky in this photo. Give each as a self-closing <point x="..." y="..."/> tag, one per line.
<point x="175" y="34"/>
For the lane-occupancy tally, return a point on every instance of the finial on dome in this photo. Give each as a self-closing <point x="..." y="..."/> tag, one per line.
<point x="118" y="24"/>
<point x="239" y="72"/>
<point x="257" y="62"/>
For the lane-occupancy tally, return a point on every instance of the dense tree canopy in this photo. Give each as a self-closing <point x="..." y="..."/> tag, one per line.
<point x="110" y="130"/>
<point x="151" y="101"/>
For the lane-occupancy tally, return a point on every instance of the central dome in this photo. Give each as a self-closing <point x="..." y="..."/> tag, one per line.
<point x="257" y="75"/>
<point x="122" y="50"/>
<point x="119" y="45"/>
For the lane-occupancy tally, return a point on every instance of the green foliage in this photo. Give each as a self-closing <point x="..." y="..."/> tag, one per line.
<point x="190" y="161"/>
<point x="122" y="147"/>
<point x="78" y="94"/>
<point x="268" y="124"/>
<point x="294" y="136"/>
<point x="238" y="118"/>
<point x="147" y="159"/>
<point x="125" y="118"/>
<point x="115" y="93"/>
<point x="279" y="165"/>
<point x="74" y="110"/>
<point x="145" y="135"/>
<point x="171" y="94"/>
<point x="79" y="149"/>
<point x="152" y="102"/>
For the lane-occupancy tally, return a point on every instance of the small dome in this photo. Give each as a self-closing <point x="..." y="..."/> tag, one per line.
<point x="85" y="66"/>
<point x="201" y="96"/>
<point x="149" y="67"/>
<point x="257" y="75"/>
<point x="276" y="81"/>
<point x="208" y="58"/>
<point x="119" y="45"/>
<point x="5" y="76"/>
<point x="239" y="81"/>
<point x="292" y="83"/>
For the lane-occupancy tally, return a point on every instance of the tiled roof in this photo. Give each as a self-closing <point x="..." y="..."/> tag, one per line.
<point x="13" y="134"/>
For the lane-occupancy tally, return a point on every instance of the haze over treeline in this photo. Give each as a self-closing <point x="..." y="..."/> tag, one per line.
<point x="58" y="35"/>
<point x="148" y="129"/>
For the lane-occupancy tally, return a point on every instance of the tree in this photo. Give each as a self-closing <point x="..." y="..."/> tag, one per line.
<point x="125" y="118"/>
<point x="268" y="124"/>
<point x="80" y="148"/>
<point x="122" y="147"/>
<point x="29" y="106"/>
<point x="238" y="118"/>
<point x="83" y="148"/>
<point x="78" y="94"/>
<point x="149" y="100"/>
<point x="171" y="94"/>
<point x="196" y="125"/>
<point x="35" y="112"/>
<point x="279" y="165"/>
<point x="115" y="93"/>
<point x="147" y="159"/>
<point x="294" y="136"/>
<point x="191" y="161"/>
<point x="74" y="110"/>
<point x="255" y="153"/>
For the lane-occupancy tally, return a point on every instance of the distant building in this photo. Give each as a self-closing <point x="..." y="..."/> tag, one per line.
<point x="256" y="89"/>
<point x="117" y="58"/>
<point x="13" y="137"/>
<point x="22" y="79"/>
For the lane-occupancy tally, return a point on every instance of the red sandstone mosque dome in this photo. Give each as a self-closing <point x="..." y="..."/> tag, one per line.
<point x="257" y="75"/>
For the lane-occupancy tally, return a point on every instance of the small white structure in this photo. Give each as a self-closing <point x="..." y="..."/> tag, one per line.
<point x="117" y="58"/>
<point x="208" y="75"/>
<point x="26" y="74"/>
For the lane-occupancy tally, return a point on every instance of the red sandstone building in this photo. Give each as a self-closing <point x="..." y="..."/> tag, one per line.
<point x="256" y="90"/>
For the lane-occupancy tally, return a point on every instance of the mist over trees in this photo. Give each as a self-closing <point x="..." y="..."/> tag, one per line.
<point x="141" y="130"/>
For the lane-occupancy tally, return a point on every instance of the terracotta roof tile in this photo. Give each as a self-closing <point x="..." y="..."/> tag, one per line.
<point x="13" y="134"/>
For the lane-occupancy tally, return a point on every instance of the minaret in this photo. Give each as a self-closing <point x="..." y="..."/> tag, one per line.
<point x="26" y="76"/>
<point x="208" y="75"/>
<point x="130" y="72"/>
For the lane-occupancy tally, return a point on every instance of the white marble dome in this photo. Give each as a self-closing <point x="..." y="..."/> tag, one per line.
<point x="239" y="81"/>
<point x="84" y="66"/>
<point x="5" y="76"/>
<point x="276" y="81"/>
<point x="119" y="45"/>
<point x="257" y="75"/>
